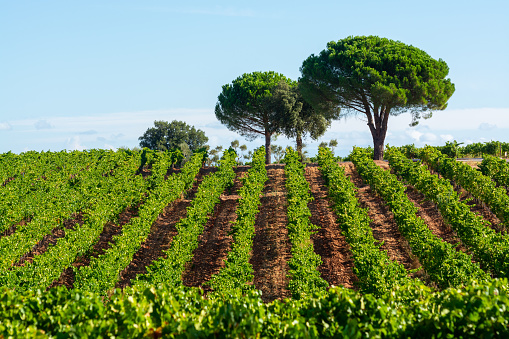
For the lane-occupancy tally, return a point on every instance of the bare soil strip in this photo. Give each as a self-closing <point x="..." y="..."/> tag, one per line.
<point x="7" y="181"/>
<point x="50" y="239"/>
<point x="105" y="241"/>
<point x="162" y="232"/>
<point x="215" y="242"/>
<point x="329" y="243"/>
<point x="431" y="215"/>
<point x="481" y="209"/>
<point x="478" y="207"/>
<point x="12" y="229"/>
<point x="271" y="246"/>
<point x="383" y="224"/>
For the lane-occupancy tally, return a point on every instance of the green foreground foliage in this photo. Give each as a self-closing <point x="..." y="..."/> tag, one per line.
<point x="475" y="310"/>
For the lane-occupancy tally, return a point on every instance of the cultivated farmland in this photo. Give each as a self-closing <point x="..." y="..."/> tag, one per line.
<point x="128" y="244"/>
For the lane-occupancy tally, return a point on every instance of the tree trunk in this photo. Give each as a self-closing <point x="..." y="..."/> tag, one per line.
<point x="378" y="145"/>
<point x="299" y="146"/>
<point x="378" y="127"/>
<point x="267" y="148"/>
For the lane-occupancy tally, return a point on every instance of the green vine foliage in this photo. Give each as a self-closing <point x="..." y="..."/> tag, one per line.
<point x="377" y="274"/>
<point x="489" y="248"/>
<point x="305" y="278"/>
<point x="108" y="196"/>
<point x="495" y="168"/>
<point x="444" y="265"/>
<point x="477" y="184"/>
<point x="238" y="272"/>
<point x="109" y="182"/>
<point x="103" y="271"/>
<point x="169" y="270"/>
<point x="476" y="310"/>
<point x="76" y="183"/>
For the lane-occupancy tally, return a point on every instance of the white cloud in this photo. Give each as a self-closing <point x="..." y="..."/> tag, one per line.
<point x="428" y="138"/>
<point x="74" y="143"/>
<point x="446" y="137"/>
<point x="461" y="119"/>
<point x="5" y="126"/>
<point x="415" y="135"/>
<point x="419" y="137"/>
<point x="117" y="136"/>
<point x="487" y="126"/>
<point x="113" y="148"/>
<point x="89" y="132"/>
<point x="42" y="124"/>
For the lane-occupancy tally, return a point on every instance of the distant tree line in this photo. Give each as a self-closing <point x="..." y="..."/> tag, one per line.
<point x="454" y="149"/>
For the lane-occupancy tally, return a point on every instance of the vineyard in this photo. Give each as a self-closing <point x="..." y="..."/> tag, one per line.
<point x="136" y="244"/>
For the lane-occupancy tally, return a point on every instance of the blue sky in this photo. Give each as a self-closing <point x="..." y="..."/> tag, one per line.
<point x="96" y="74"/>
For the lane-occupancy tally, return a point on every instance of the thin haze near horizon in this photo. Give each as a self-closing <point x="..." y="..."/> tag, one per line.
<point x="96" y="74"/>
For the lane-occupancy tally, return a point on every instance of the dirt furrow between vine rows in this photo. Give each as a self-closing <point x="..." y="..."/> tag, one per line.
<point x="329" y="243"/>
<point x="477" y="206"/>
<point x="8" y="180"/>
<point x="481" y="209"/>
<point x="50" y="239"/>
<point x="271" y="246"/>
<point x="431" y="215"/>
<point x="429" y="212"/>
<point x="103" y="243"/>
<point x="215" y="242"/>
<point x="161" y="233"/>
<point x="383" y="224"/>
<point x="12" y="229"/>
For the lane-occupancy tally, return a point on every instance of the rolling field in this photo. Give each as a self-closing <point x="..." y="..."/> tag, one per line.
<point x="353" y="248"/>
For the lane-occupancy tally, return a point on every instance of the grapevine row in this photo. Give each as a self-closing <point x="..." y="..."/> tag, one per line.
<point x="377" y="273"/>
<point x="169" y="270"/>
<point x="495" y="168"/>
<point x="57" y="204"/>
<point x="31" y="192"/>
<point x="305" y="278"/>
<point x="238" y="272"/>
<point x="480" y="186"/>
<point x="103" y="272"/>
<point x="490" y="248"/>
<point x="475" y="311"/>
<point x="124" y="190"/>
<point x="9" y="165"/>
<point x="445" y="266"/>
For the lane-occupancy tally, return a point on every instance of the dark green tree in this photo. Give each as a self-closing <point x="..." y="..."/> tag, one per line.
<point x="332" y="144"/>
<point x="237" y="147"/>
<point x="246" y="106"/>
<point x="214" y="156"/>
<point x="376" y="77"/>
<point x="167" y="135"/>
<point x="297" y="118"/>
<point x="278" y="151"/>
